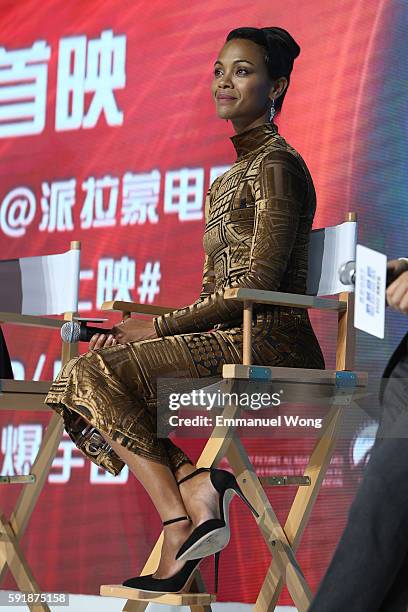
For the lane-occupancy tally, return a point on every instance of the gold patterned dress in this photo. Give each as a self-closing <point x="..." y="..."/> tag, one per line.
<point x="258" y="219"/>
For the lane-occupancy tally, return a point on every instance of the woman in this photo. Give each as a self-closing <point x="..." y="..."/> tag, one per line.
<point x="258" y="219"/>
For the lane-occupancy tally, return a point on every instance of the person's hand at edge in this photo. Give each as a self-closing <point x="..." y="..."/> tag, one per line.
<point x="397" y="291"/>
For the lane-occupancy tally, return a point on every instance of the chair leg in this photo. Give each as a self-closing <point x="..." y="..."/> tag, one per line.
<point x="18" y="565"/>
<point x="270" y="527"/>
<point x="29" y="495"/>
<point x="134" y="606"/>
<point x="301" y="509"/>
<point x="198" y="586"/>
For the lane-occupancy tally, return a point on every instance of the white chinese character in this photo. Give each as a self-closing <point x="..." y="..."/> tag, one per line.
<point x="23" y="90"/>
<point x="140" y="197"/>
<point x="101" y="476"/>
<point x="93" y="213"/>
<point x="183" y="193"/>
<point x="217" y="171"/>
<point x="17" y="211"/>
<point x="66" y="462"/>
<point x="100" y="69"/>
<point x="8" y="448"/>
<point x="85" y="275"/>
<point x="18" y="369"/>
<point x="116" y="276"/>
<point x="56" y="368"/>
<point x="149" y="278"/>
<point x="28" y="444"/>
<point x="56" y="204"/>
<point x="20" y="446"/>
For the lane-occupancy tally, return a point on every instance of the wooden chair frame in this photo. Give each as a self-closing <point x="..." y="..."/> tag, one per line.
<point x="282" y="540"/>
<point x="29" y="395"/>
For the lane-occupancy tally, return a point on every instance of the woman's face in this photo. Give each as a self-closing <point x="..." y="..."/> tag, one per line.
<point x="241" y="87"/>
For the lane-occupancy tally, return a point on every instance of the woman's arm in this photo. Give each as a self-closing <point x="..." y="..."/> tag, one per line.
<point x="208" y="278"/>
<point x="280" y="194"/>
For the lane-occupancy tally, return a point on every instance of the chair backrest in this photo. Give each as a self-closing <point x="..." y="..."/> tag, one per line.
<point x="329" y="249"/>
<point x="41" y="285"/>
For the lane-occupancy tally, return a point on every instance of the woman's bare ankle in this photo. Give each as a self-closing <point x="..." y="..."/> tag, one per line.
<point x="200" y="498"/>
<point x="184" y="470"/>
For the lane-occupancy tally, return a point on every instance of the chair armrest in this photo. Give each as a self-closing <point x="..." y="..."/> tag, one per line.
<point x="135" y="307"/>
<point x="242" y="294"/>
<point x="296" y="300"/>
<point x="31" y="320"/>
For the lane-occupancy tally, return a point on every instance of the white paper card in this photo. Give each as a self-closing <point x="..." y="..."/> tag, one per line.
<point x="371" y="274"/>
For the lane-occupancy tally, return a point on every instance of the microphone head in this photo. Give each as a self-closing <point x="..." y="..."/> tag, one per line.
<point x="347" y="273"/>
<point x="70" y="331"/>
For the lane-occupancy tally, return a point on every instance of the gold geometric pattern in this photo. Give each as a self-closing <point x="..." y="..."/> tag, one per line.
<point x="258" y="220"/>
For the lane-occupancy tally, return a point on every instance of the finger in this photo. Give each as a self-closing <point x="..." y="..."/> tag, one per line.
<point x="403" y="305"/>
<point x="399" y="289"/>
<point x="93" y="342"/>
<point x="392" y="288"/>
<point x="109" y="340"/>
<point x="100" y="343"/>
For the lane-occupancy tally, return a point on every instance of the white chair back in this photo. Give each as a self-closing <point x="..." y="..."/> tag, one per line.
<point x="329" y="249"/>
<point x="41" y="285"/>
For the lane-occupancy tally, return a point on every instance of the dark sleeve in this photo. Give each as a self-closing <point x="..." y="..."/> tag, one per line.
<point x="280" y="191"/>
<point x="5" y="363"/>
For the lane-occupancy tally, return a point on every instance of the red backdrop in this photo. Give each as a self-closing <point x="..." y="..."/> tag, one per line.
<point x="123" y="166"/>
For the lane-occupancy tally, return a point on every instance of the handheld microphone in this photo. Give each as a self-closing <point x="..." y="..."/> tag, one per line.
<point x="347" y="273"/>
<point x="74" y="332"/>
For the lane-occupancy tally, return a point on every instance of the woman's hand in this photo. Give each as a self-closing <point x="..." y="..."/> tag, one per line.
<point x="101" y="341"/>
<point x="129" y="330"/>
<point x="132" y="330"/>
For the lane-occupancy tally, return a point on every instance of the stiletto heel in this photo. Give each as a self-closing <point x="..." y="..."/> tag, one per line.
<point x="216" y="568"/>
<point x="213" y="535"/>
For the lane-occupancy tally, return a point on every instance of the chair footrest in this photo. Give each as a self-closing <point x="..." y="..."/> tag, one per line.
<point x="281" y="481"/>
<point x="27" y="479"/>
<point x="306" y="375"/>
<point x="171" y="599"/>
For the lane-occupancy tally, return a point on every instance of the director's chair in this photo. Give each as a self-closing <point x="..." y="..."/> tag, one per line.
<point x="329" y="249"/>
<point x="29" y="287"/>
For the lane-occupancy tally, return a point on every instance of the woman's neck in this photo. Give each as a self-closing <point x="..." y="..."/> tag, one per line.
<point x="244" y="126"/>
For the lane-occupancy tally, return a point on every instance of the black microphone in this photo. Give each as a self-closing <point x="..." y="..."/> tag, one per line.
<point x="74" y="332"/>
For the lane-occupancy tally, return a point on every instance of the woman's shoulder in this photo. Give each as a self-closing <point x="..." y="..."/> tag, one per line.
<point x="279" y="151"/>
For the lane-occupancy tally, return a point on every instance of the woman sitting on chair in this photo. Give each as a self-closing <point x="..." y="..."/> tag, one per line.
<point x="258" y="220"/>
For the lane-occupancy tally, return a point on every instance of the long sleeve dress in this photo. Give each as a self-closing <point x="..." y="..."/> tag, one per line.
<point x="258" y="220"/>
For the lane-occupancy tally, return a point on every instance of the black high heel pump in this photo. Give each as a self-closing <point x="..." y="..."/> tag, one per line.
<point x="178" y="583"/>
<point x="213" y="535"/>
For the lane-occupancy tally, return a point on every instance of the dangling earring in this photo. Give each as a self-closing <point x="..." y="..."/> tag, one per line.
<point x="272" y="111"/>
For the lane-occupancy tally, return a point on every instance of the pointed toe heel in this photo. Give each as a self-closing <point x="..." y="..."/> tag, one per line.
<point x="213" y="535"/>
<point x="179" y="582"/>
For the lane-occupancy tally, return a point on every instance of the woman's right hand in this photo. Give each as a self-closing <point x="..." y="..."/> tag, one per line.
<point x="102" y="341"/>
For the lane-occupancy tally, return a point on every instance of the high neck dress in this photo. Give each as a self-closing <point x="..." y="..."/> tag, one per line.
<point x="258" y="220"/>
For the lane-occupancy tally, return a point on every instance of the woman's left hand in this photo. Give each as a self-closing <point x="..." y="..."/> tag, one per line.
<point x="133" y="330"/>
